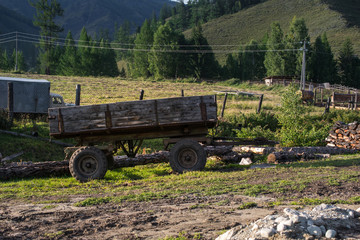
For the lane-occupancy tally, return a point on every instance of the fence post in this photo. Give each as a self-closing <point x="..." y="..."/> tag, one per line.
<point x="224" y="104"/>
<point x="355" y="101"/>
<point x="260" y="103"/>
<point x="182" y="92"/>
<point x="141" y="94"/>
<point x="78" y="93"/>
<point x="352" y="104"/>
<point x="321" y="96"/>
<point x="11" y="102"/>
<point x="327" y="105"/>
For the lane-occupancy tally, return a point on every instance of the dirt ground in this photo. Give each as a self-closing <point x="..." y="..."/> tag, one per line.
<point x="192" y="216"/>
<point x="189" y="215"/>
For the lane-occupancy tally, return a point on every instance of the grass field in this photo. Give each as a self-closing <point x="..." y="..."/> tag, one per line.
<point x="156" y="181"/>
<point x="335" y="180"/>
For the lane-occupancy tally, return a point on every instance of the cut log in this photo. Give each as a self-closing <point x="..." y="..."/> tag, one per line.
<point x="285" y="157"/>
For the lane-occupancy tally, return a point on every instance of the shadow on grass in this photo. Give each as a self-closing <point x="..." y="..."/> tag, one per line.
<point x="327" y="163"/>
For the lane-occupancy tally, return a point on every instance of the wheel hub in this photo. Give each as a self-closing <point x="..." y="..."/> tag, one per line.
<point x="88" y="165"/>
<point x="188" y="158"/>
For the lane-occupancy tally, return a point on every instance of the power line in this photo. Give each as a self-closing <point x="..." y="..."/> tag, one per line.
<point x="37" y="37"/>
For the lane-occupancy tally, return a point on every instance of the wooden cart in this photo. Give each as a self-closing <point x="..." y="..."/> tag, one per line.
<point x="100" y="130"/>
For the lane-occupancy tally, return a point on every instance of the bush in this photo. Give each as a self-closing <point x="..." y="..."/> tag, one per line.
<point x="298" y="128"/>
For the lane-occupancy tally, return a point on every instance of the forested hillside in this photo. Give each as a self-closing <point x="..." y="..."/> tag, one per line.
<point x="95" y="15"/>
<point x="339" y="19"/>
<point x="11" y="21"/>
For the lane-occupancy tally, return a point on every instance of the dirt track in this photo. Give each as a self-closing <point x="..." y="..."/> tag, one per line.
<point x="147" y="220"/>
<point x="205" y="217"/>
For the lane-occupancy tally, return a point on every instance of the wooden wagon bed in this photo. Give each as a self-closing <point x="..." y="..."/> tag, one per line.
<point x="170" y="117"/>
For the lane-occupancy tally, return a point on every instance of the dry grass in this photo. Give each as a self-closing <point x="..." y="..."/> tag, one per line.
<point x="98" y="90"/>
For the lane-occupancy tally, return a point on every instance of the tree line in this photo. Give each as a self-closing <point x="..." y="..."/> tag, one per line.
<point x="280" y="54"/>
<point x="159" y="49"/>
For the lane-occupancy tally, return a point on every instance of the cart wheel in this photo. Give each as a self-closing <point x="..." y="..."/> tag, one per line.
<point x="187" y="155"/>
<point x="88" y="163"/>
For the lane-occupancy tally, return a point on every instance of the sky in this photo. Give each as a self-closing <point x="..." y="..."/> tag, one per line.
<point x="185" y="1"/>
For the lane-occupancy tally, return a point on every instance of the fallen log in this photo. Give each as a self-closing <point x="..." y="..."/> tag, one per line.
<point x="313" y="150"/>
<point x="61" y="168"/>
<point x="285" y="157"/>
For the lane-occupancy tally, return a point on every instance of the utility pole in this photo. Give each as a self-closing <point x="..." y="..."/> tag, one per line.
<point x="303" y="69"/>
<point x="16" y="53"/>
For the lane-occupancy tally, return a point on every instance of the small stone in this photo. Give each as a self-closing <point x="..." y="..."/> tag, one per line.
<point x="322" y="207"/>
<point x="310" y="222"/>
<point x="314" y="230"/>
<point x="318" y="222"/>
<point x="323" y="229"/>
<point x="358" y="210"/>
<point x="226" y="236"/>
<point x="290" y="212"/>
<point x="255" y="227"/>
<point x="295" y="218"/>
<point x="330" y="233"/>
<point x="281" y="227"/>
<point x="351" y="214"/>
<point x="280" y="219"/>
<point x="271" y="217"/>
<point x="245" y="161"/>
<point x="267" y="232"/>
<point x="288" y="223"/>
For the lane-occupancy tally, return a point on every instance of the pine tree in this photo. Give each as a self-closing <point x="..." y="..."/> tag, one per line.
<point x="203" y="63"/>
<point x="86" y="57"/>
<point x="122" y="39"/>
<point x="231" y="68"/>
<point x="298" y="33"/>
<point x="322" y="67"/>
<point x="274" y="61"/>
<point x="143" y="43"/>
<point x="163" y="59"/>
<point x="348" y="65"/>
<point x="46" y="12"/>
<point x="21" y="65"/>
<point x="252" y="61"/>
<point x="4" y="61"/>
<point x="107" y="59"/>
<point x="70" y="61"/>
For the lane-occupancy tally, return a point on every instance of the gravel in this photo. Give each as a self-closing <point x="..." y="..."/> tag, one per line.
<point x="322" y="222"/>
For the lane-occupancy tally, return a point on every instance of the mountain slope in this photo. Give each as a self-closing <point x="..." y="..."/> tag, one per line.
<point x="95" y="15"/>
<point x="10" y="21"/>
<point x="320" y="16"/>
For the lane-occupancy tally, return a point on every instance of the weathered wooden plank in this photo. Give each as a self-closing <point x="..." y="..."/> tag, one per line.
<point x="124" y="115"/>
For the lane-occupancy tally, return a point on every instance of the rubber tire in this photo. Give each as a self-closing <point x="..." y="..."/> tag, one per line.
<point x="85" y="155"/>
<point x="189" y="147"/>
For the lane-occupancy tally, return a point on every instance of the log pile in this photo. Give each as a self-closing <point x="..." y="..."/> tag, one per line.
<point x="346" y="136"/>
